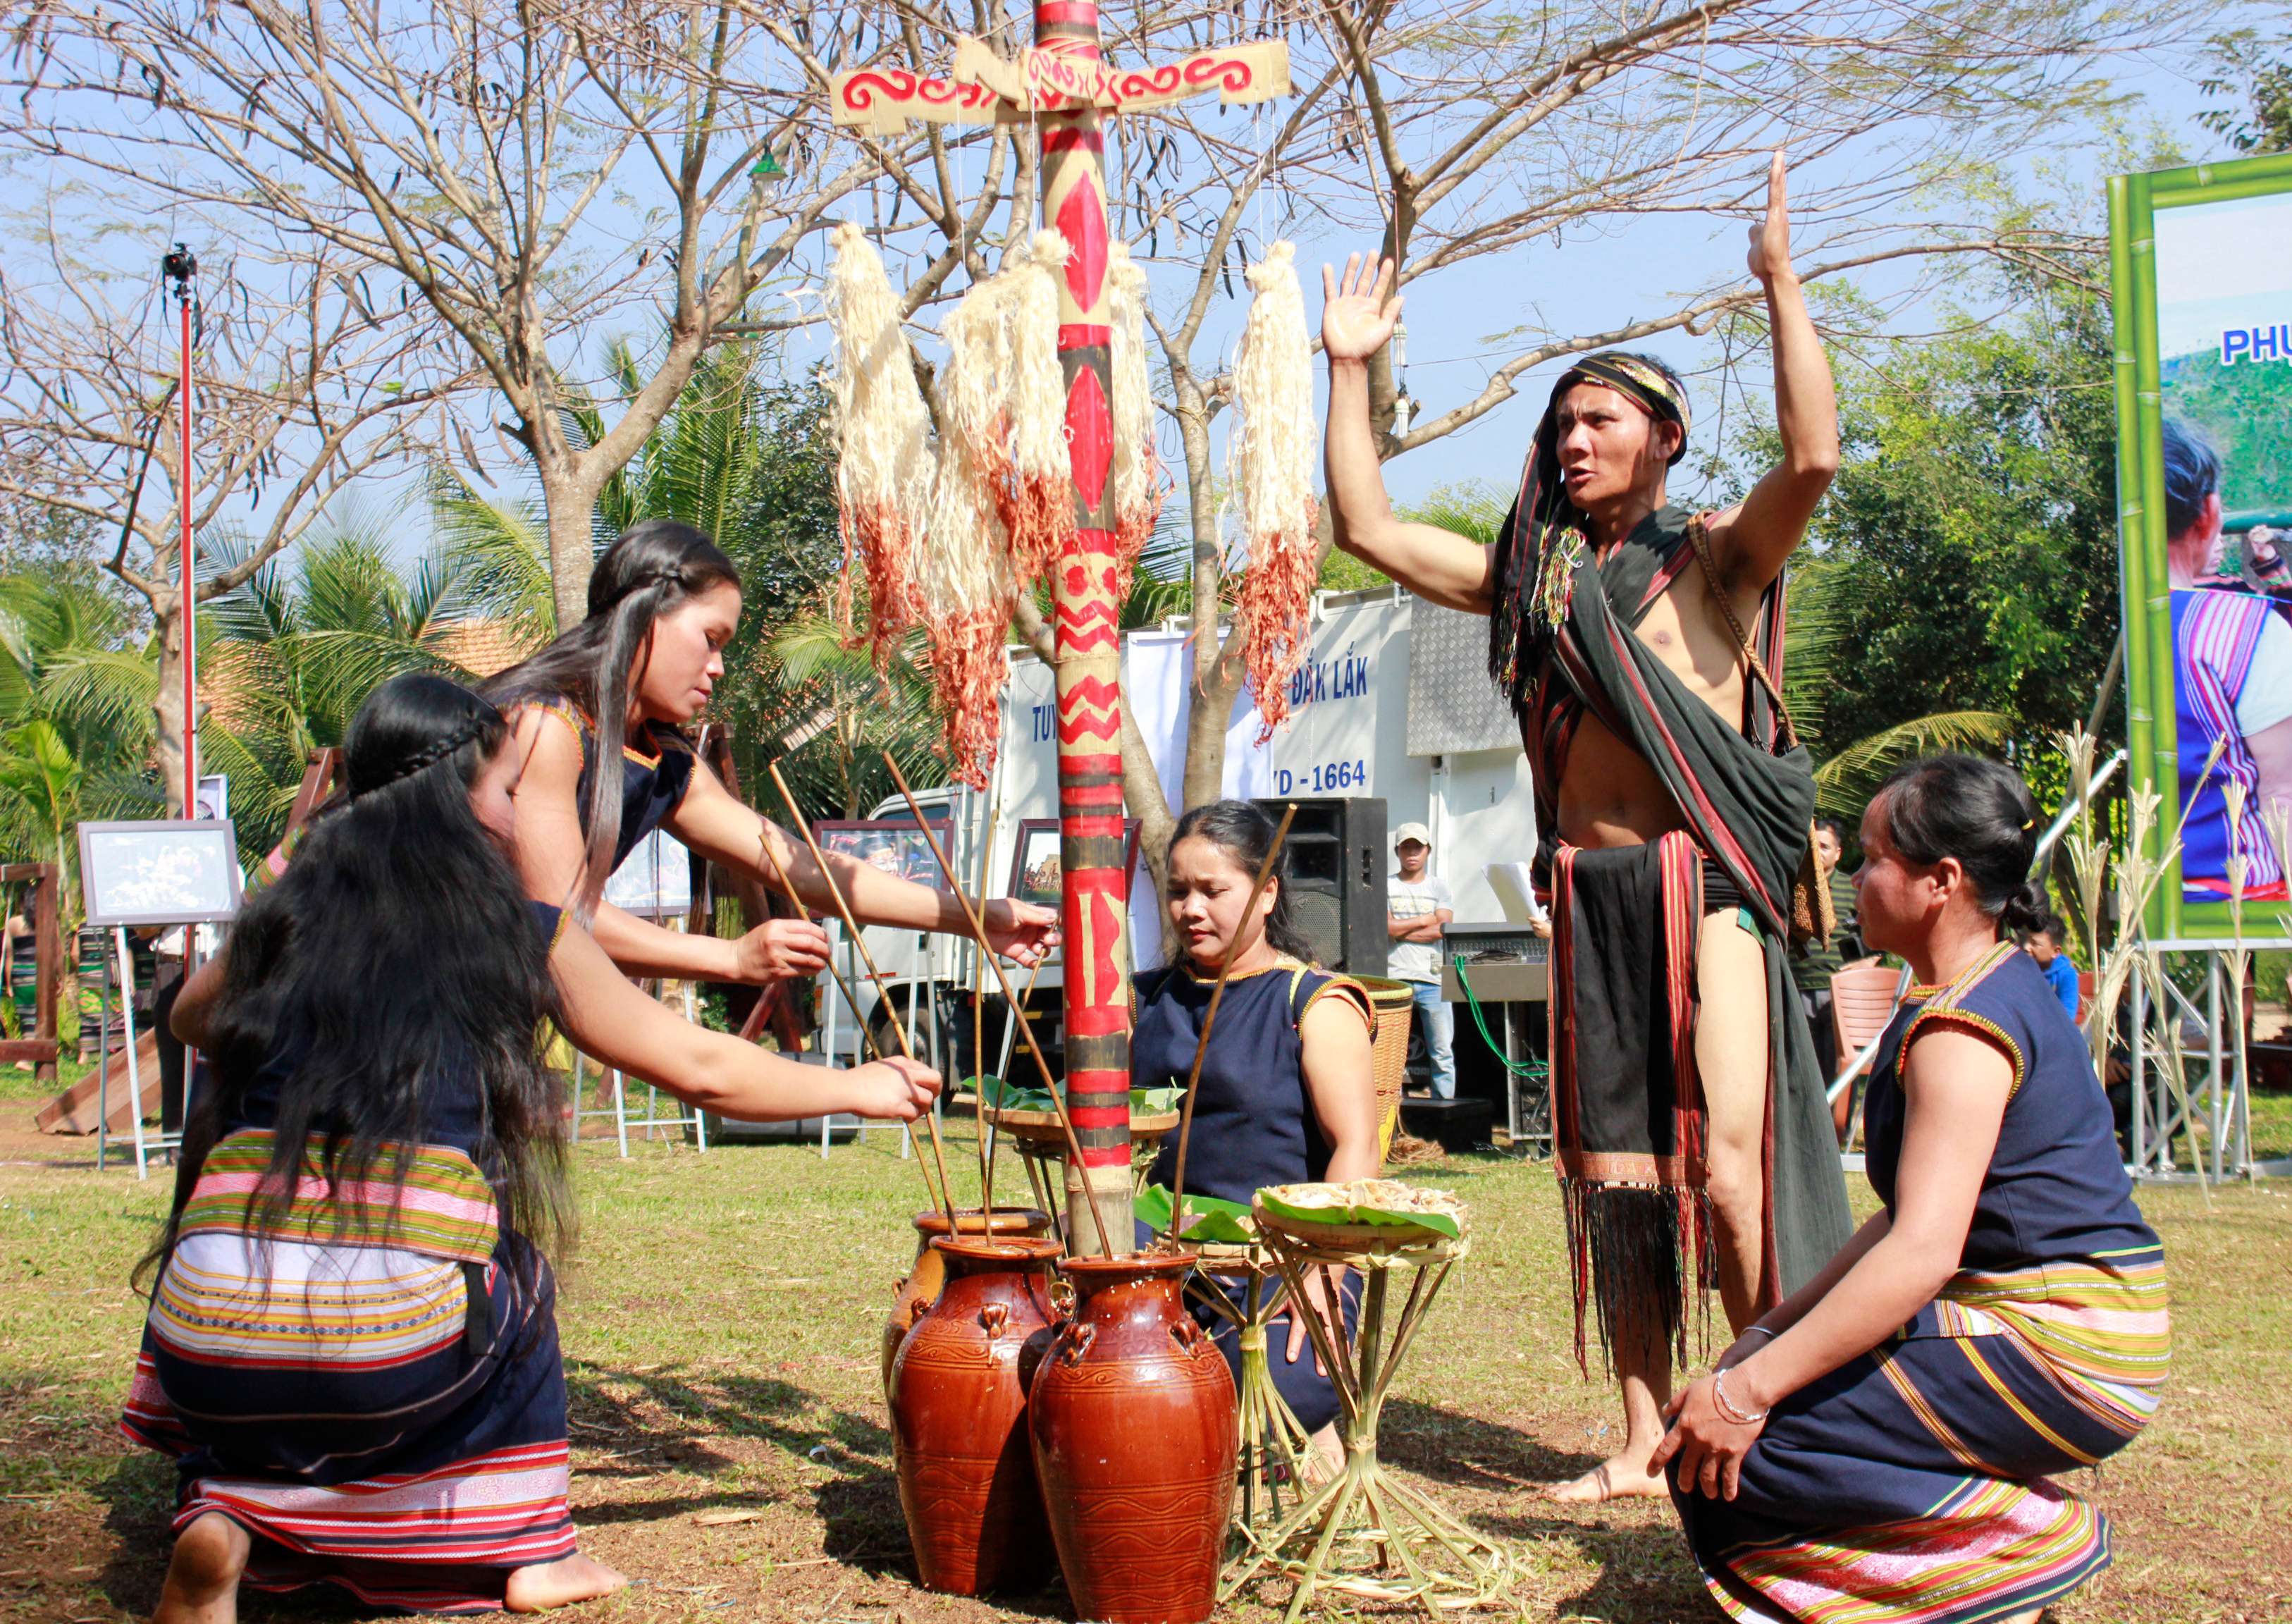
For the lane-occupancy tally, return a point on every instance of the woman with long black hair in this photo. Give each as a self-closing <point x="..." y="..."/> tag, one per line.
<point x="1883" y="1444"/>
<point x="664" y="601"/>
<point x="352" y="1348"/>
<point x="1286" y="1093"/>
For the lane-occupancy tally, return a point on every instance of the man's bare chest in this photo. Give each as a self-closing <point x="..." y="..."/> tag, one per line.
<point x="1685" y="631"/>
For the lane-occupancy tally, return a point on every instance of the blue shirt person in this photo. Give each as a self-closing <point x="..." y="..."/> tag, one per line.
<point x="2044" y="944"/>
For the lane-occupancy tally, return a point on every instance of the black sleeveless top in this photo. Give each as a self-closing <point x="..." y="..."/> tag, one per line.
<point x="1253" y="1124"/>
<point x="453" y="1109"/>
<point x="652" y="785"/>
<point x="2057" y="1191"/>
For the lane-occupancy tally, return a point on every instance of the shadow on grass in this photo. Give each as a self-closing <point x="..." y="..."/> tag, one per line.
<point x="709" y="1404"/>
<point x="857" y="1506"/>
<point x="1452" y="1448"/>
<point x="138" y="1497"/>
<point x="1645" y="1574"/>
<point x="860" y="1505"/>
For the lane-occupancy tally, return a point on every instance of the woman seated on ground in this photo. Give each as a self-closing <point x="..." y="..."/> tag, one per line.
<point x="1287" y="1096"/>
<point x="662" y="602"/>
<point x="352" y="1348"/>
<point x="1881" y="1445"/>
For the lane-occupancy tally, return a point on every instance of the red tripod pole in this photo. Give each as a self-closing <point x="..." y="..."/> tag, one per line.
<point x="1096" y="902"/>
<point x="189" y="626"/>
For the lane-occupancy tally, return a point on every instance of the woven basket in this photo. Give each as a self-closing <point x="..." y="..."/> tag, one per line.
<point x="1388" y="1055"/>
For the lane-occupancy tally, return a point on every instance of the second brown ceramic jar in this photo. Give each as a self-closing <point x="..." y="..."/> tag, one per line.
<point x="921" y="1288"/>
<point x="959" y="1429"/>
<point x="1133" y="1415"/>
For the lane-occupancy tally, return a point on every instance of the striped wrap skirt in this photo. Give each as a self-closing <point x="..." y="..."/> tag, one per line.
<point x="1914" y="1484"/>
<point x="372" y="1388"/>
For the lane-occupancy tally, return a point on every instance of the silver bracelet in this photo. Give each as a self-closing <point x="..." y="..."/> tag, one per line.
<point x="1727" y="1409"/>
<point x="1757" y="1330"/>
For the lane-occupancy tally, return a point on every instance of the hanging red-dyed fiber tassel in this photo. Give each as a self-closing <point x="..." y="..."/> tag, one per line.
<point x="1272" y="458"/>
<point x="884" y="469"/>
<point x="966" y="575"/>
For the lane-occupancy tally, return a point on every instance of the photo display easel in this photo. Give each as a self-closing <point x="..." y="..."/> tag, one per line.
<point x="655" y="881"/>
<point x="2200" y="381"/>
<point x="2212" y="1090"/>
<point x="159" y="871"/>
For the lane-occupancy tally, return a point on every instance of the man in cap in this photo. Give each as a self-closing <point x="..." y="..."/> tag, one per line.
<point x="1417" y="907"/>
<point x="1690" y="1126"/>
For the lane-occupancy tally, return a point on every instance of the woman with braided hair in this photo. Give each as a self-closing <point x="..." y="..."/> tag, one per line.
<point x="351" y="1347"/>
<point x="1883" y="1445"/>
<point x="662" y="602"/>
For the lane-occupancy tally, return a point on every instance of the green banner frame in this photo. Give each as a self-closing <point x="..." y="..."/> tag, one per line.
<point x="2150" y="708"/>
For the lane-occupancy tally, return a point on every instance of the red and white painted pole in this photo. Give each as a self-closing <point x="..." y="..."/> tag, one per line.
<point x="179" y="267"/>
<point x="1095" y="886"/>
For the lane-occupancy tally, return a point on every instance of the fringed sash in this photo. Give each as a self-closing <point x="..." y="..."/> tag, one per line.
<point x="1628" y="1120"/>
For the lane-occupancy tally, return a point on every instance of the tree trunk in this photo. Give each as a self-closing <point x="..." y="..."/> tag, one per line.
<point x="167" y="704"/>
<point x="572" y="530"/>
<point x="1204" y="777"/>
<point x="1217" y="679"/>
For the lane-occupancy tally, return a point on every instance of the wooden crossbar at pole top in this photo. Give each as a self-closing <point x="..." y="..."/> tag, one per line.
<point x="1062" y="86"/>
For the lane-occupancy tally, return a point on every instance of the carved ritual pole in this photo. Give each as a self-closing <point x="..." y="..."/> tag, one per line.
<point x="1065" y="86"/>
<point x="1095" y="887"/>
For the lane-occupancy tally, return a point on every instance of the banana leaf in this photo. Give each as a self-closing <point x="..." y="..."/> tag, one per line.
<point x="1002" y="1096"/>
<point x="1226" y="1223"/>
<point x="1440" y="1223"/>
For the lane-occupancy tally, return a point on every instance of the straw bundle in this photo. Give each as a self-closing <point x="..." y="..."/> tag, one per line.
<point x="1037" y="498"/>
<point x="1273" y="448"/>
<point x="966" y="578"/>
<point x="1137" y="473"/>
<point x="883" y="471"/>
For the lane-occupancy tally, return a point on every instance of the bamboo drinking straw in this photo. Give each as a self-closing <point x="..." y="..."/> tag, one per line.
<point x="1209" y="1016"/>
<point x="979" y="932"/>
<point x="882" y="991"/>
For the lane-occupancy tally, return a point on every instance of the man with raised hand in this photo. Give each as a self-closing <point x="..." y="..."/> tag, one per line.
<point x="1638" y="644"/>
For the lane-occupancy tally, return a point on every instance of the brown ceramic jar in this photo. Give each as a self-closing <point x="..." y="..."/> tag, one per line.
<point x="1132" y="1414"/>
<point x="959" y="1419"/>
<point x="921" y="1288"/>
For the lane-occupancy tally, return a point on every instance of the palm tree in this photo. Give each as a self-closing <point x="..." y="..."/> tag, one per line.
<point x="1848" y="774"/>
<point x="751" y="462"/>
<point x="291" y="656"/>
<point x="74" y="729"/>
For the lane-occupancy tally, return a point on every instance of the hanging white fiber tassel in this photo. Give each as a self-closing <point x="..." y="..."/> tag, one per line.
<point x="966" y="575"/>
<point x="1272" y="458"/>
<point x="883" y="468"/>
<point x="1038" y="498"/>
<point x="1137" y="472"/>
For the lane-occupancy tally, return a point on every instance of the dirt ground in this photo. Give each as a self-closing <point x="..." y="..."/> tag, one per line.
<point x="728" y="1434"/>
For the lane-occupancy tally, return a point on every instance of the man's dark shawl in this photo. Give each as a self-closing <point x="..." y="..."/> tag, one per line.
<point x="1627" y="1107"/>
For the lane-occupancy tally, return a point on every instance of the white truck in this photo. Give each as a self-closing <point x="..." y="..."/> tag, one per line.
<point x="1394" y="702"/>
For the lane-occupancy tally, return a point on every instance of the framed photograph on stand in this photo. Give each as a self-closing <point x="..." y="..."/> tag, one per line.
<point x="179" y="871"/>
<point x="1034" y="866"/>
<point x="654" y="880"/>
<point x="159" y="872"/>
<point x="893" y="844"/>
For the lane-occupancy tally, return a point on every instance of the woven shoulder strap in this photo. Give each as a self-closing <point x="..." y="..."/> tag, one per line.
<point x="1701" y="540"/>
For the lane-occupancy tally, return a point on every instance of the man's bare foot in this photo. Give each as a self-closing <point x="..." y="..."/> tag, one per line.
<point x="1624" y="1477"/>
<point x="202" y="1583"/>
<point x="560" y="1583"/>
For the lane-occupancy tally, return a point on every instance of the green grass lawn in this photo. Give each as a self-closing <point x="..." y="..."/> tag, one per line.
<point x="720" y="1326"/>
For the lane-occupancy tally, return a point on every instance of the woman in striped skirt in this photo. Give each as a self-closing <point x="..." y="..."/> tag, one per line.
<point x="1883" y="1446"/>
<point x="352" y="1348"/>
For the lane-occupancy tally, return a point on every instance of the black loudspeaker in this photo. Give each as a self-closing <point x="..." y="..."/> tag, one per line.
<point x="1336" y="859"/>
